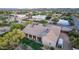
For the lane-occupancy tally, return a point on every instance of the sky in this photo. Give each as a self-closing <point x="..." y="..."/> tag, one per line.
<point x="39" y="4"/>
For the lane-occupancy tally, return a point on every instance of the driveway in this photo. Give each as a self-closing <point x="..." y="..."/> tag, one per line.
<point x="67" y="45"/>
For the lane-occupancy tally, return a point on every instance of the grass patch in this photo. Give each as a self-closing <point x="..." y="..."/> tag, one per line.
<point x="33" y="44"/>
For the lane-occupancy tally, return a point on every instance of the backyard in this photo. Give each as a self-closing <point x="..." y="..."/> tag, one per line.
<point x="34" y="45"/>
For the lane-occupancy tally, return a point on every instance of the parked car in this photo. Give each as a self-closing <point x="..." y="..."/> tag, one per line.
<point x="60" y="43"/>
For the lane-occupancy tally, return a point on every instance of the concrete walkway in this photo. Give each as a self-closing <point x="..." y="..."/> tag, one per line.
<point x="20" y="47"/>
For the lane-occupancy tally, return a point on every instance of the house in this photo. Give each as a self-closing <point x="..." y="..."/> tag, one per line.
<point x="20" y="17"/>
<point x="4" y="29"/>
<point x="76" y="21"/>
<point x="11" y="18"/>
<point x="39" y="17"/>
<point x="63" y="22"/>
<point x="66" y="29"/>
<point x="46" y="35"/>
<point x="16" y="17"/>
<point x="65" y="25"/>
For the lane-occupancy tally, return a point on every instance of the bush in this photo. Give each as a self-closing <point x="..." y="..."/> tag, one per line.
<point x="16" y="26"/>
<point x="74" y="38"/>
<point x="28" y="22"/>
<point x="48" y="17"/>
<point x="43" y="22"/>
<point x="11" y="39"/>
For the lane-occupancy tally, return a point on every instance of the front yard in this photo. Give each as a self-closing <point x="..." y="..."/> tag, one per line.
<point x="31" y="43"/>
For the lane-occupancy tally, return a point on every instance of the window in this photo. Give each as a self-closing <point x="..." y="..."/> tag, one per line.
<point x="34" y="37"/>
<point x="30" y="36"/>
<point x="26" y="35"/>
<point x="39" y="39"/>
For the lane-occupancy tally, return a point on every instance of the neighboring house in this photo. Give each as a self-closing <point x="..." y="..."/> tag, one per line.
<point x="76" y="21"/>
<point x="66" y="29"/>
<point x="65" y="25"/>
<point x="20" y="17"/>
<point x="11" y="18"/>
<point x="4" y="29"/>
<point x="46" y="35"/>
<point x="50" y="22"/>
<point x="63" y="22"/>
<point x="39" y="17"/>
<point x="16" y="17"/>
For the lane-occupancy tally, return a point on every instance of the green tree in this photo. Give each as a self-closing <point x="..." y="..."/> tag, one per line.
<point x="74" y="38"/>
<point x="43" y="13"/>
<point x="3" y="43"/>
<point x="17" y="26"/>
<point x="43" y="22"/>
<point x="75" y="43"/>
<point x="11" y="39"/>
<point x="55" y="20"/>
<point x="6" y="12"/>
<point x="48" y="17"/>
<point x="29" y="22"/>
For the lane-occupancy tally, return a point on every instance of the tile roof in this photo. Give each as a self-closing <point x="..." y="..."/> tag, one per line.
<point x="50" y="31"/>
<point x="54" y="33"/>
